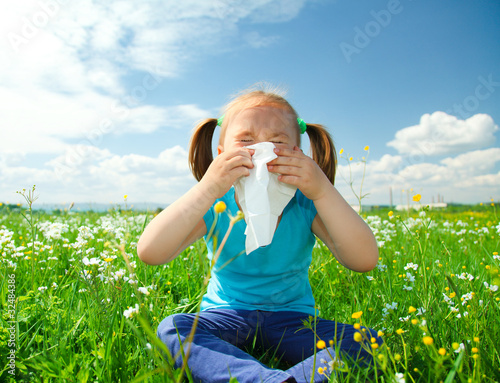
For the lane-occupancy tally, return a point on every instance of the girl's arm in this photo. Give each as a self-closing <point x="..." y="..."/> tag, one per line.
<point x="336" y="224"/>
<point x="175" y="228"/>
<point x="345" y="233"/>
<point x="181" y="223"/>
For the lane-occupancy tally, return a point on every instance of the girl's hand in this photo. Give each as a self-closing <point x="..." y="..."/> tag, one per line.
<point x="297" y="169"/>
<point x="225" y="169"/>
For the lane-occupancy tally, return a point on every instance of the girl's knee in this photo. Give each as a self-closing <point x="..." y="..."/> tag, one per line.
<point x="175" y="325"/>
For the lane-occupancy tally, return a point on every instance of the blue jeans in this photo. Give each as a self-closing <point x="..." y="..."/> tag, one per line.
<point x="216" y="351"/>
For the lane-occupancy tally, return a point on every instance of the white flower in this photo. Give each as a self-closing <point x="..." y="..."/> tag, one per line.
<point x="491" y="288"/>
<point x="411" y="266"/>
<point x="143" y="290"/>
<point x="42" y="288"/>
<point x="410" y="277"/>
<point x="460" y="348"/>
<point x="399" y="378"/>
<point x="131" y="311"/>
<point x="407" y="288"/>
<point x="370" y="278"/>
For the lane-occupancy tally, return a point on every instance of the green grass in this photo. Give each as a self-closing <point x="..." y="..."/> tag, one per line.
<point x="73" y="285"/>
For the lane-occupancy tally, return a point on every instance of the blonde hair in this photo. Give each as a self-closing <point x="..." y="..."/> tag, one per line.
<point x="200" y="148"/>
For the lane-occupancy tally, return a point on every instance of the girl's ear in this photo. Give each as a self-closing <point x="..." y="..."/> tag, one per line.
<point x="219" y="149"/>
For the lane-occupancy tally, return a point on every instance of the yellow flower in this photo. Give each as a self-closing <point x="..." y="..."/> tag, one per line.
<point x="455" y="345"/>
<point x="412" y="309"/>
<point x="380" y="333"/>
<point x="397" y="357"/>
<point x="125" y="196"/>
<point x="220" y="207"/>
<point x="358" y="337"/>
<point x="350" y="158"/>
<point x="399" y="331"/>
<point x="357" y="326"/>
<point x="341" y="151"/>
<point x="442" y="351"/>
<point x="108" y="259"/>
<point x="390" y="214"/>
<point x="321" y="344"/>
<point x="373" y="340"/>
<point x="414" y="321"/>
<point x="374" y="345"/>
<point x="428" y="340"/>
<point x="367" y="148"/>
<point x="476" y="339"/>
<point x="475" y="350"/>
<point x="417" y="197"/>
<point x="453" y="295"/>
<point x="357" y="315"/>
<point x="321" y="370"/>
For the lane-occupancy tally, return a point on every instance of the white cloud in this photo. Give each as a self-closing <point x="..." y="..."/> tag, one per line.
<point x="65" y="70"/>
<point x="89" y="174"/>
<point x="469" y="177"/>
<point x="439" y="133"/>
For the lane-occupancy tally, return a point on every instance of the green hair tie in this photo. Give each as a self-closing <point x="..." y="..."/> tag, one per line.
<point x="220" y="119"/>
<point x="302" y="125"/>
<point x="300" y="121"/>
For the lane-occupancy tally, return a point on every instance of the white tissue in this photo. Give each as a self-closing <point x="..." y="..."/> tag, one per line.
<point x="262" y="198"/>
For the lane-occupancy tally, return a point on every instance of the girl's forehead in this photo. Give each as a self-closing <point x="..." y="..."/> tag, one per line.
<point x="270" y="114"/>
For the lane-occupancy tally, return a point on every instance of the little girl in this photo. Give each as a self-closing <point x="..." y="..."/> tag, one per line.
<point x="264" y="296"/>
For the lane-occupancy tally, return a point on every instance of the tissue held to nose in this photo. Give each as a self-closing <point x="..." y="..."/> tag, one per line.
<point x="262" y="198"/>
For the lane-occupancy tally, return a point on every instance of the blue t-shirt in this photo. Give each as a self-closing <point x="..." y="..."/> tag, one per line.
<point x="272" y="278"/>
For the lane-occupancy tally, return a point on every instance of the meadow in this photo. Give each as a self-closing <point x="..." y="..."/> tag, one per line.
<point x="79" y="306"/>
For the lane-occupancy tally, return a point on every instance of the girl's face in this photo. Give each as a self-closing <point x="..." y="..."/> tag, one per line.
<point x="261" y="124"/>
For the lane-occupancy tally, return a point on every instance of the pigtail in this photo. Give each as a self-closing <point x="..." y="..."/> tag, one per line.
<point x="200" y="147"/>
<point x="323" y="149"/>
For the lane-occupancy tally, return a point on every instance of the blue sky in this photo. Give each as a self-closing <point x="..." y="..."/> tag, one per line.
<point x="98" y="98"/>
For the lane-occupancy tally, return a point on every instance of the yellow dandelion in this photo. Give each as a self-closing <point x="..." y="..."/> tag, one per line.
<point x="475" y="350"/>
<point x="108" y="259"/>
<point x="350" y="158"/>
<point x="357" y="326"/>
<point x="373" y="340"/>
<point x="220" y="207"/>
<point x="321" y="370"/>
<point x="357" y="315"/>
<point x="475" y="356"/>
<point x="428" y="340"/>
<point x="390" y="214"/>
<point x="367" y="148"/>
<point x="442" y="351"/>
<point x="374" y="345"/>
<point x="455" y="345"/>
<point x="125" y="196"/>
<point x="476" y="339"/>
<point x="330" y="342"/>
<point x="380" y="333"/>
<point x="321" y="344"/>
<point x="453" y="295"/>
<point x="358" y="337"/>
<point x="417" y="197"/>
<point x="412" y="309"/>
<point x="414" y="321"/>
<point x="341" y="151"/>
<point x="399" y="331"/>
